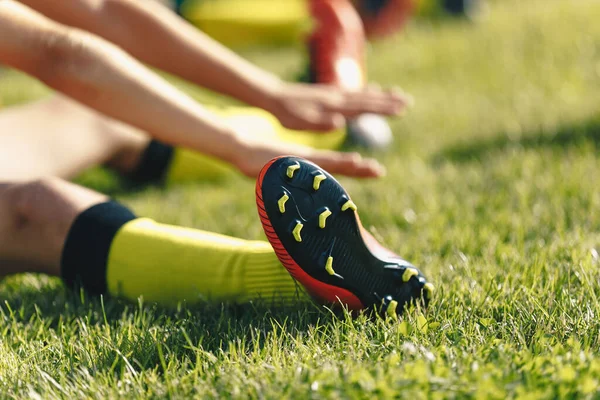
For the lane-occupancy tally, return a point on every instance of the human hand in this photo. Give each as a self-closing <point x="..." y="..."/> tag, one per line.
<point x="324" y="108"/>
<point x="255" y="154"/>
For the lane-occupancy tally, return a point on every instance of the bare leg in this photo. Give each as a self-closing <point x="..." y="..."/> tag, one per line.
<point x="35" y="218"/>
<point x="59" y="138"/>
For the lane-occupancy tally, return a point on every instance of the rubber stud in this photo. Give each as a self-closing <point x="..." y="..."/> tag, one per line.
<point x="292" y="169"/>
<point x="428" y="288"/>
<point x="323" y="218"/>
<point x="317" y="181"/>
<point x="329" y="266"/>
<point x="297" y="230"/>
<point x="391" y="309"/>
<point x="281" y="202"/>
<point x="409" y="273"/>
<point x="349" y="205"/>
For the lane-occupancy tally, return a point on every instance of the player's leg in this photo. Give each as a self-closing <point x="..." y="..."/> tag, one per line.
<point x="35" y="217"/>
<point x="249" y="22"/>
<point x="62" y="229"/>
<point x="337" y="57"/>
<point x="259" y="22"/>
<point x="57" y="137"/>
<point x="383" y="18"/>
<point x="161" y="162"/>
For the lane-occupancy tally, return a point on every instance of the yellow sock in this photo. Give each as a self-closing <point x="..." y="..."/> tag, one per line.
<point x="133" y="257"/>
<point x="188" y="165"/>
<point x="167" y="264"/>
<point x="250" y="22"/>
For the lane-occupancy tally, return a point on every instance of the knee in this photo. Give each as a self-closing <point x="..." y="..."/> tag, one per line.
<point x="29" y="198"/>
<point x="18" y="204"/>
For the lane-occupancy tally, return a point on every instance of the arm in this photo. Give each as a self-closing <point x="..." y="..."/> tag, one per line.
<point x="103" y="77"/>
<point x="176" y="46"/>
<point x="180" y="49"/>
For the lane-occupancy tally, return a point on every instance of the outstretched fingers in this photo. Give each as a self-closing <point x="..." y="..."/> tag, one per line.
<point x="349" y="164"/>
<point x="370" y="100"/>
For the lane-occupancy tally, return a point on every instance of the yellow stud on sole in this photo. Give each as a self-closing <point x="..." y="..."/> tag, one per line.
<point x="329" y="266"/>
<point x="409" y="273"/>
<point x="429" y="289"/>
<point x="297" y="230"/>
<point x="317" y="181"/>
<point x="391" y="310"/>
<point x="323" y="218"/>
<point x="349" y="205"/>
<point x="281" y="202"/>
<point x="292" y="169"/>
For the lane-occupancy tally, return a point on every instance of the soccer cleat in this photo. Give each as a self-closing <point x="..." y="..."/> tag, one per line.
<point x="321" y="242"/>
<point x="383" y="18"/>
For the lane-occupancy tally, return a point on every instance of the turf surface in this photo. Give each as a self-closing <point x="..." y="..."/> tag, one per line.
<point x="491" y="189"/>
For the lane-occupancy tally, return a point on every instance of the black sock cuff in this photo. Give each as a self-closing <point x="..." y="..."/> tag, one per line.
<point x="85" y="253"/>
<point x="154" y="164"/>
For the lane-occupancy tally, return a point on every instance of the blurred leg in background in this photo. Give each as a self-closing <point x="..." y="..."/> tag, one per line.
<point x="58" y="137"/>
<point x="335" y="33"/>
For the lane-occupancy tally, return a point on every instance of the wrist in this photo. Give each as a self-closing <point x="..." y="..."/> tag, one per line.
<point x="268" y="95"/>
<point x="233" y="147"/>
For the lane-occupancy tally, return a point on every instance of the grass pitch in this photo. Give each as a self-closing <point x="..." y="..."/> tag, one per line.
<point x="492" y="189"/>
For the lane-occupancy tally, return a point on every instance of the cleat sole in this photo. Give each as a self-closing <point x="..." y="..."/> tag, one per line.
<point x="322" y="231"/>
